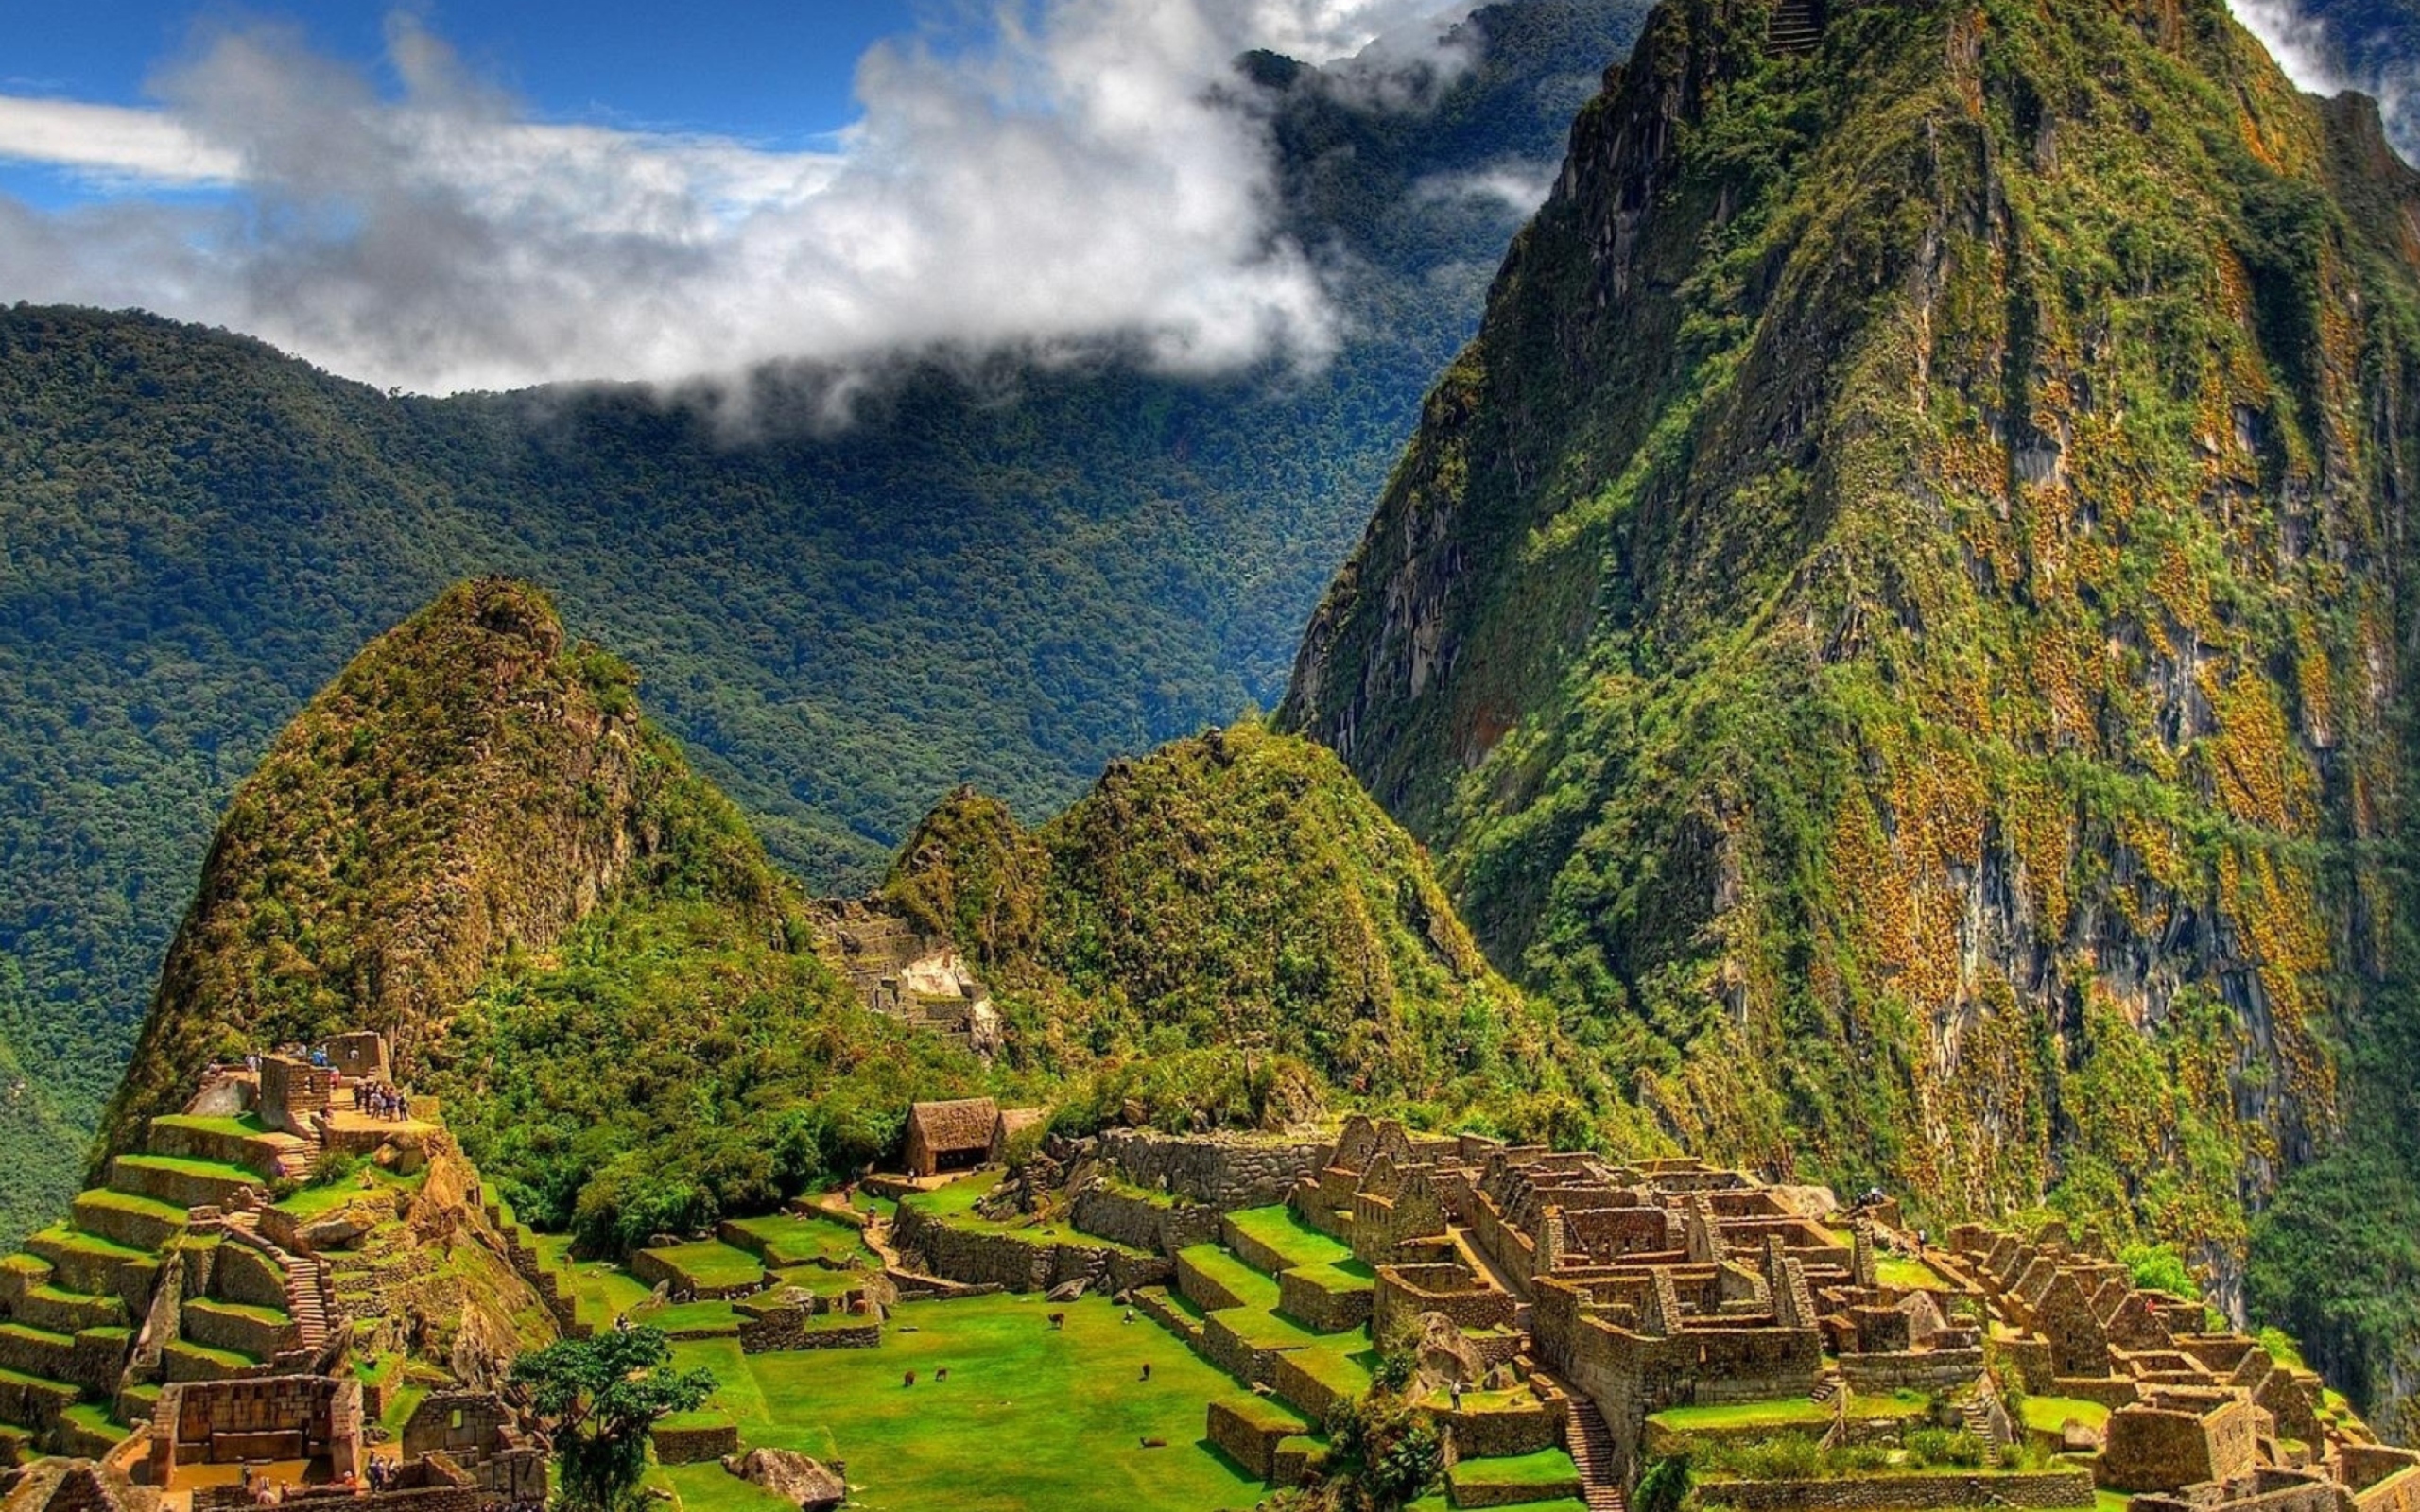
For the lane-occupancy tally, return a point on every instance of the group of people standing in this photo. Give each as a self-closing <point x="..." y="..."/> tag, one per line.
<point x="379" y="1100"/>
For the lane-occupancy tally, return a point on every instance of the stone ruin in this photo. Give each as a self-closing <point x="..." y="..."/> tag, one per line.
<point x="240" y="1349"/>
<point x="900" y="972"/>
<point x="1616" y="1290"/>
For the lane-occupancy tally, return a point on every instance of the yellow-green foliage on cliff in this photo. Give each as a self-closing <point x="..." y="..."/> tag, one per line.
<point x="1897" y="621"/>
<point x="1238" y="892"/>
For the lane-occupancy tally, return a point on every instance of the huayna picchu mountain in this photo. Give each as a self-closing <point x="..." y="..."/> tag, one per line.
<point x="1898" y="623"/>
<point x="474" y="844"/>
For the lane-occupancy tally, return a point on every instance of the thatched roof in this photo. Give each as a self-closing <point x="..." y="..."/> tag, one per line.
<point x="1015" y="1121"/>
<point x="964" y="1124"/>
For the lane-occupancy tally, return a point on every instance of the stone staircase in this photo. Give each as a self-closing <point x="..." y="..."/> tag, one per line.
<point x="294" y="1156"/>
<point x="1979" y="1422"/>
<point x="1792" y="29"/>
<point x="1592" y="1450"/>
<point x="307" y="1292"/>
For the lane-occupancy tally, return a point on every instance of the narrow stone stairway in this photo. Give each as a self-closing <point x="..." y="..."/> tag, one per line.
<point x="1592" y="1450"/>
<point x="1792" y="29"/>
<point x="307" y="1283"/>
<point x="1979" y="1422"/>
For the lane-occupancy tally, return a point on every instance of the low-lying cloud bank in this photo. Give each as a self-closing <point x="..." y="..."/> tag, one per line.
<point x="1077" y="174"/>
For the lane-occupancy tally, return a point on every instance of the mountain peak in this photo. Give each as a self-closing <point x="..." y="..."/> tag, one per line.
<point x="467" y="782"/>
<point x="1898" y="603"/>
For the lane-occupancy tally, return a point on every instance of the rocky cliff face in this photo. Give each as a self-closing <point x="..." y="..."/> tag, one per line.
<point x="468" y="783"/>
<point x="1901" y="616"/>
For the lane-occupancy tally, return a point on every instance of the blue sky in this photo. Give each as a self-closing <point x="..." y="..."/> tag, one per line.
<point x="777" y="72"/>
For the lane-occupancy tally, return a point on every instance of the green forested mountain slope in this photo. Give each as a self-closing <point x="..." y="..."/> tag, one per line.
<point x="473" y="841"/>
<point x="1004" y="572"/>
<point x="1897" y="626"/>
<point x="1240" y="890"/>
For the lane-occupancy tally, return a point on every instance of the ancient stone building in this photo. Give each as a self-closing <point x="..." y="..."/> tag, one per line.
<point x="952" y="1136"/>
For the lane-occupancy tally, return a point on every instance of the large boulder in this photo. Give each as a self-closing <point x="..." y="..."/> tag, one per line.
<point x="804" y="1483"/>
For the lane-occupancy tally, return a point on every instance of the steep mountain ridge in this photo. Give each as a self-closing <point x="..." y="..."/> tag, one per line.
<point x="1898" y="617"/>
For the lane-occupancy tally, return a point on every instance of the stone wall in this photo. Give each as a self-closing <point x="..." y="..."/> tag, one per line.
<point x="1490" y="1431"/>
<point x="192" y="1142"/>
<point x="1915" y="1493"/>
<point x="695" y="1443"/>
<point x="2163" y="1449"/>
<point x="1237" y="1356"/>
<point x="1250" y="1432"/>
<point x="1019" y="1264"/>
<point x="293" y="1091"/>
<point x="2399" y="1492"/>
<point x="1320" y="1308"/>
<point x="1221" y="1170"/>
<point x="1919" y="1370"/>
<point x="1301" y="1390"/>
<point x="778" y="1330"/>
<point x="261" y="1417"/>
<point x="1197" y="1287"/>
<point x="1162" y="1226"/>
<point x="1405" y="1292"/>
<point x="239" y="1273"/>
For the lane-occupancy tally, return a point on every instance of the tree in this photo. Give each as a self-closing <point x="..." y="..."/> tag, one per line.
<point x="598" y="1396"/>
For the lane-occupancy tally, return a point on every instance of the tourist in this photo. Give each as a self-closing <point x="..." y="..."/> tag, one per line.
<point x="1146" y="1369"/>
<point x="1129" y="1317"/>
<point x="1455" y="1390"/>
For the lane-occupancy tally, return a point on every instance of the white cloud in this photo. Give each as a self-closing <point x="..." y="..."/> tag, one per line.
<point x="1073" y="176"/>
<point x="110" y="141"/>
<point x="2317" y="59"/>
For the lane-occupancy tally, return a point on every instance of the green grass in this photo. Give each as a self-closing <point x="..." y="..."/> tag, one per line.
<point x="96" y="1417"/>
<point x="246" y="1125"/>
<point x="710" y="1263"/>
<point x="1054" y="1419"/>
<point x="75" y="1241"/>
<point x="690" y="1317"/>
<point x="1791" y="1412"/>
<point x="1347" y="1275"/>
<point x="184" y="1165"/>
<point x="708" y="1487"/>
<point x="312" y="1202"/>
<point x="958" y="1198"/>
<point x="1246" y="1284"/>
<point x="230" y="1361"/>
<point x="1266" y="1330"/>
<point x="822" y="1283"/>
<point x="791" y="1240"/>
<point x="599" y="1290"/>
<point x="2049" y="1414"/>
<point x="1546" y="1467"/>
<point x="1282" y="1230"/>
<point x="131" y="1202"/>
<point x="272" y="1316"/>
<point x="1906" y="1274"/>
